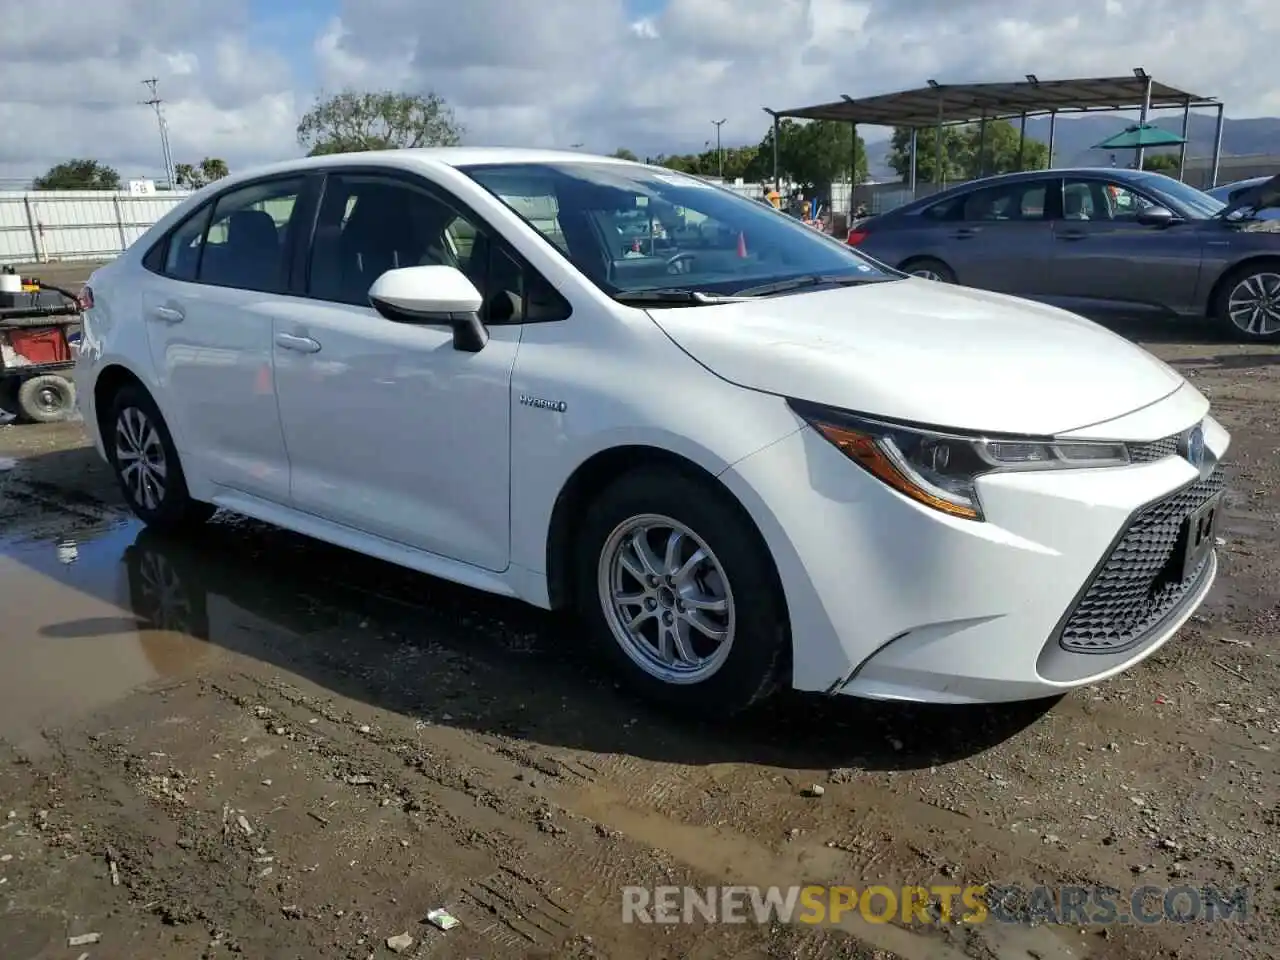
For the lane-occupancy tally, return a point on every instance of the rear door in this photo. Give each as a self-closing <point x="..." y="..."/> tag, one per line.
<point x="207" y="307"/>
<point x="1106" y="262"/>
<point x="1001" y="237"/>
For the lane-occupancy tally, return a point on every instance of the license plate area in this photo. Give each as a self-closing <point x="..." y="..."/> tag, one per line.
<point x="1196" y="539"/>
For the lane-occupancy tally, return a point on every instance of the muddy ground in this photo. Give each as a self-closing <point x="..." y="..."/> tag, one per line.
<point x="249" y="744"/>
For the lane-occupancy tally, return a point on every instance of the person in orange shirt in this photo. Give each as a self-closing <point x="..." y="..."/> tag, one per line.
<point x="774" y="198"/>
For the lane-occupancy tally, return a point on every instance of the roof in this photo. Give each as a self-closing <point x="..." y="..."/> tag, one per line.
<point x="1120" y="174"/>
<point x="967" y="102"/>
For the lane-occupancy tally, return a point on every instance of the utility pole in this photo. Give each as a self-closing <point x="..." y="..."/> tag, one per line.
<point x="157" y="104"/>
<point x="719" y="152"/>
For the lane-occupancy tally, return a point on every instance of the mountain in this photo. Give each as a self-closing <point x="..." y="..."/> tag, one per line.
<point x="1075" y="136"/>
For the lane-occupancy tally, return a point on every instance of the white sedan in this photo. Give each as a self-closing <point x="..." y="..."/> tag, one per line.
<point x="757" y="459"/>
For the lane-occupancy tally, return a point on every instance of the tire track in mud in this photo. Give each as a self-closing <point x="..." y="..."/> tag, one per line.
<point x="650" y="816"/>
<point x="514" y="905"/>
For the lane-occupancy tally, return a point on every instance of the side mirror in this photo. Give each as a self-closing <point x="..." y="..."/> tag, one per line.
<point x="1156" y="217"/>
<point x="436" y="295"/>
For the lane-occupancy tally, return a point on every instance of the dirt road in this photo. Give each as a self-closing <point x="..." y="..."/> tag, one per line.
<point x="249" y="744"/>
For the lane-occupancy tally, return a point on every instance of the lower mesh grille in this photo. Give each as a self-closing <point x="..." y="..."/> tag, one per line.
<point x="1134" y="589"/>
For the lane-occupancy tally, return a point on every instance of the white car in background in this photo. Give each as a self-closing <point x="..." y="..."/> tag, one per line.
<point x="758" y="459"/>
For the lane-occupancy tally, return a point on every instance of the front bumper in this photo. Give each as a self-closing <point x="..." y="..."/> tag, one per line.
<point x="892" y="600"/>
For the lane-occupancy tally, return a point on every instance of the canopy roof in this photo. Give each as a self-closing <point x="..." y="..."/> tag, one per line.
<point x="970" y="102"/>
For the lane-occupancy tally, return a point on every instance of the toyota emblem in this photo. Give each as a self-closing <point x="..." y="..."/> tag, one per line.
<point x="1194" y="447"/>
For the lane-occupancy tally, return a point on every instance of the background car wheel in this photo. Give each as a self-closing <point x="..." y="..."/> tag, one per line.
<point x="47" y="399"/>
<point x="928" y="268"/>
<point x="147" y="466"/>
<point x="678" y="591"/>
<point x="1248" y="303"/>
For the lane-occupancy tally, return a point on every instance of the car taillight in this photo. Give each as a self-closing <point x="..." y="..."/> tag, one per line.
<point x="856" y="237"/>
<point x="85" y="300"/>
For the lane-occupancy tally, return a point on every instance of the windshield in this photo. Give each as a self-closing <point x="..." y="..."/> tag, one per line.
<point x="1197" y="203"/>
<point x="636" y="228"/>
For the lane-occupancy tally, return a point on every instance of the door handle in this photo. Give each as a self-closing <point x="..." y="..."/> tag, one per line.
<point x="168" y="314"/>
<point x="1072" y="235"/>
<point x="965" y="233"/>
<point x="288" y="341"/>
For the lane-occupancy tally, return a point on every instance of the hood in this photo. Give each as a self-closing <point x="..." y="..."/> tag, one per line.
<point x="1262" y="197"/>
<point x="926" y="352"/>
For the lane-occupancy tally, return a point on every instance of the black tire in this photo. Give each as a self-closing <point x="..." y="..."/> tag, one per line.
<point x="171" y="506"/>
<point x="48" y="398"/>
<point x="758" y="652"/>
<point x="940" y="270"/>
<point x="1265" y="271"/>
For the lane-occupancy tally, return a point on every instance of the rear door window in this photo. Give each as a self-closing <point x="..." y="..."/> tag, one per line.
<point x="244" y="246"/>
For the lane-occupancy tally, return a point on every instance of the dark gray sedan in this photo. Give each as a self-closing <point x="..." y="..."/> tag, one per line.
<point x="1098" y="242"/>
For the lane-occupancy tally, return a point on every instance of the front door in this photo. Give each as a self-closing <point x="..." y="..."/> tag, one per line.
<point x="390" y="430"/>
<point x="209" y="328"/>
<point x="1106" y="262"/>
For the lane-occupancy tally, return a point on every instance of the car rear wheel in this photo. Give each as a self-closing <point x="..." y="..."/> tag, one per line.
<point x="147" y="466"/>
<point x="679" y="593"/>
<point x="1249" y="302"/>
<point x="927" y="268"/>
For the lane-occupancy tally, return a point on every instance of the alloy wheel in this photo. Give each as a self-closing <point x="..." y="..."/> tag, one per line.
<point x="1254" y="304"/>
<point x="927" y="274"/>
<point x="666" y="599"/>
<point x="140" y="458"/>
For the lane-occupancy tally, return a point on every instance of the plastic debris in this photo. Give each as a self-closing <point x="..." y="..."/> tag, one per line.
<point x="443" y="919"/>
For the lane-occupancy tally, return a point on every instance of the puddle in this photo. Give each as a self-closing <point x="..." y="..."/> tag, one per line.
<point x="7" y="463"/>
<point x="71" y="642"/>
<point x="91" y="615"/>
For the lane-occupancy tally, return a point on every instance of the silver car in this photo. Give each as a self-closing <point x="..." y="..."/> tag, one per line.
<point x="1098" y="242"/>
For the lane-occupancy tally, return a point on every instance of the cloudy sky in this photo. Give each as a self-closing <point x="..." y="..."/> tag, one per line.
<point x="647" y="74"/>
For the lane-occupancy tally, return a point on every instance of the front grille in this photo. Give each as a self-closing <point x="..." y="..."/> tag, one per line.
<point x="1154" y="450"/>
<point x="1134" y="589"/>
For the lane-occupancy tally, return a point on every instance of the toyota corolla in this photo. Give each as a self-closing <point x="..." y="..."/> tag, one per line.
<point x="747" y="456"/>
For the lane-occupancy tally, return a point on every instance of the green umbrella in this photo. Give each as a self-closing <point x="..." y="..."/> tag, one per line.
<point x="1140" y="135"/>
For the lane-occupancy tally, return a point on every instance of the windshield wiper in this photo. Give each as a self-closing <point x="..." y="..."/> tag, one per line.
<point x="692" y="298"/>
<point x="798" y="283"/>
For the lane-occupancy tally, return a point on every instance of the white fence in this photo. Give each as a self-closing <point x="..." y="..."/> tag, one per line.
<point x="45" y="225"/>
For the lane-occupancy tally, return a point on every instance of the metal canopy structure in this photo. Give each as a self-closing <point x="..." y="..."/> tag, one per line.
<point x="938" y="105"/>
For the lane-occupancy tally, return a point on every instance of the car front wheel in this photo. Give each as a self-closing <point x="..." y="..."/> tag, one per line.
<point x="147" y="466"/>
<point x="677" y="588"/>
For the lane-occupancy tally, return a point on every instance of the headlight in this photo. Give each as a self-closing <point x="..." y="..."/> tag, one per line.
<point x="939" y="469"/>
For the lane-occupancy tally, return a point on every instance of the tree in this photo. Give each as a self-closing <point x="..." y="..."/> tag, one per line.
<point x="622" y="153"/>
<point x="352" y="121"/>
<point x="999" y="150"/>
<point x="965" y="152"/>
<point x="1161" y="163"/>
<point x="195" y="176"/>
<point x="79" y="175"/>
<point x="814" y="154"/>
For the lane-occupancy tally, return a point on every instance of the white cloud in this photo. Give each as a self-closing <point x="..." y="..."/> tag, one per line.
<point x="71" y="77"/>
<point x="606" y="73"/>
<point x="564" y="71"/>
